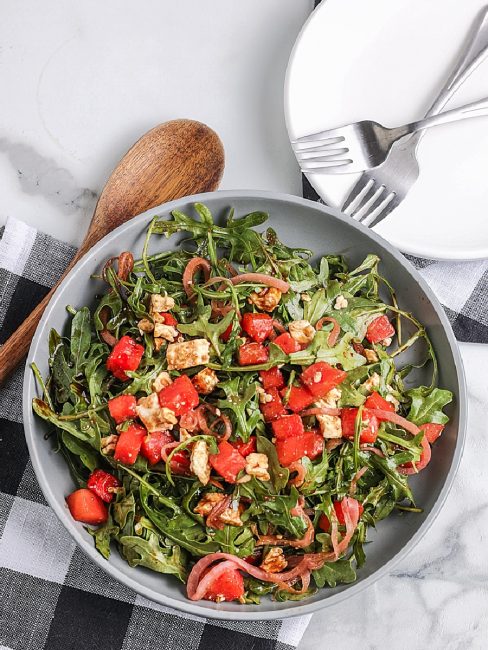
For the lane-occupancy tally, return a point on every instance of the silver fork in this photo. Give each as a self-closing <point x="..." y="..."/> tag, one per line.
<point x="366" y="144"/>
<point x="379" y="191"/>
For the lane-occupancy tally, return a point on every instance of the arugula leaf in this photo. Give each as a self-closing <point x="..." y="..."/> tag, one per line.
<point x="96" y="372"/>
<point x="241" y="396"/>
<point x="235" y="540"/>
<point x="291" y="301"/>
<point x="149" y="553"/>
<point x="180" y="528"/>
<point x="62" y="374"/>
<point x="279" y="475"/>
<point x="113" y="303"/>
<point x="80" y="338"/>
<point x="87" y="434"/>
<point x="103" y="537"/>
<point x="334" y="573"/>
<point x="124" y="512"/>
<point x="277" y="510"/>
<point x="282" y="595"/>
<point x="211" y="331"/>
<point x="315" y="474"/>
<point x="342" y="353"/>
<point x="427" y="405"/>
<point x="86" y="454"/>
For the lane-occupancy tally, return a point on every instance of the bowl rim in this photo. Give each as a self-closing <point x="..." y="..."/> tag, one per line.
<point x="191" y="607"/>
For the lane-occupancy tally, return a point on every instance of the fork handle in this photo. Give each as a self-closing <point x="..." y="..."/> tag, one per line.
<point x="472" y="55"/>
<point x="474" y="52"/>
<point x="474" y="109"/>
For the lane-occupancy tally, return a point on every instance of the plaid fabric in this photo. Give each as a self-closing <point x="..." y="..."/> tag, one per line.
<point x="51" y="595"/>
<point x="461" y="287"/>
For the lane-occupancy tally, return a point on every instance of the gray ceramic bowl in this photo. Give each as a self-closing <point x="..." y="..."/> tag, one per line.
<point x="300" y="223"/>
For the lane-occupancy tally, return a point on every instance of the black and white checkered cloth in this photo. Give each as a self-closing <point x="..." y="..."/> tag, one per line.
<point x="52" y="596"/>
<point x="462" y="288"/>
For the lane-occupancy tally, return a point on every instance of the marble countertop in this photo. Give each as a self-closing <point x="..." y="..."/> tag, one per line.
<point x="80" y="83"/>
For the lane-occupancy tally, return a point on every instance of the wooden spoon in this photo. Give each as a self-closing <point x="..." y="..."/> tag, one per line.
<point x="175" y="159"/>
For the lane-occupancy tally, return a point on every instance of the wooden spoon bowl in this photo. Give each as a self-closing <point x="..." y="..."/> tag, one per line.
<point x="175" y="159"/>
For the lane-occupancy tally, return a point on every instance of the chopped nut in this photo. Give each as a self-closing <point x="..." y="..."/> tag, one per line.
<point x="371" y="356"/>
<point x="161" y="381"/>
<point x="302" y="331"/>
<point x="158" y="344"/>
<point x="207" y="502"/>
<point x="199" y="464"/>
<point x="205" y="381"/>
<point x="386" y="342"/>
<point x="188" y="354"/>
<point x="341" y="302"/>
<point x="153" y="416"/>
<point x="372" y="382"/>
<point x="145" y="325"/>
<point x="267" y="299"/>
<point x="167" y="332"/>
<point x="257" y="465"/>
<point x="305" y="297"/>
<point x="232" y="514"/>
<point x="274" y="561"/>
<point x="107" y="444"/>
<point x="160" y="303"/>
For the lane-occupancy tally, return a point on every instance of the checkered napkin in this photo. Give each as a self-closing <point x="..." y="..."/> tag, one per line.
<point x="462" y="288"/>
<point x="51" y="595"/>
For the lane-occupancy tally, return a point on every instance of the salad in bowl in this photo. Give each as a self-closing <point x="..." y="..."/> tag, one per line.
<point x="238" y="416"/>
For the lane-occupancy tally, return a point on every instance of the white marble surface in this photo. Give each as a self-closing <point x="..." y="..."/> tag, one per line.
<point x="80" y="82"/>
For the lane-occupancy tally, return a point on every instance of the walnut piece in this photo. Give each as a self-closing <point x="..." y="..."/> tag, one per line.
<point x="199" y="464"/>
<point x="153" y="417"/>
<point x="188" y="354"/>
<point x="207" y="502"/>
<point x="161" y="381"/>
<point x="266" y="300"/>
<point x="145" y="325"/>
<point x="205" y="381"/>
<point x="232" y="515"/>
<point x="302" y="331"/>
<point x="158" y="344"/>
<point x="166" y="332"/>
<point x="370" y="355"/>
<point x="274" y="561"/>
<point x="257" y="465"/>
<point x="107" y="444"/>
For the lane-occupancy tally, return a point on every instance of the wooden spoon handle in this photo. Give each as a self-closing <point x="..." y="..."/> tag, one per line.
<point x="175" y="159"/>
<point x="17" y="346"/>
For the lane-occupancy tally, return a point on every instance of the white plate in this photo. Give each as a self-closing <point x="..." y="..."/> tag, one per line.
<point x="384" y="60"/>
